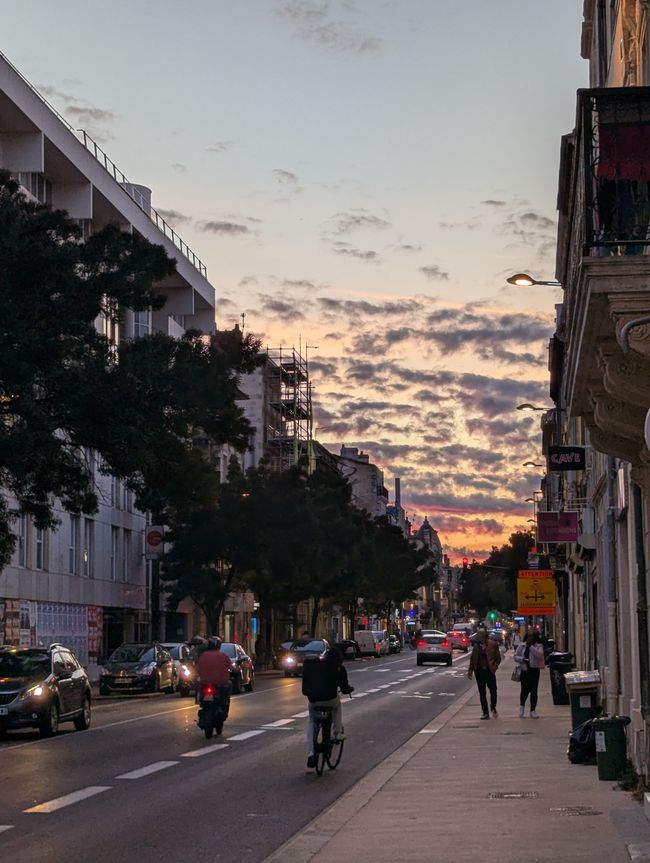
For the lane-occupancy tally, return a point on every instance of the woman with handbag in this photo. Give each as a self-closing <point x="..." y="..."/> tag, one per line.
<point x="529" y="657"/>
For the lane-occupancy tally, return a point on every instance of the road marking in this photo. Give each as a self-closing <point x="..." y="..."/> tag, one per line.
<point x="4" y="827"/>
<point x="246" y="734"/>
<point x="428" y="731"/>
<point x="381" y="670"/>
<point x="372" y="690"/>
<point x="450" y="694"/>
<point x="205" y="750"/>
<point x="69" y="799"/>
<point x="385" y="686"/>
<point x="360" y="695"/>
<point x="358" y="670"/>
<point x="145" y="771"/>
<point x="278" y="724"/>
<point x="302" y="715"/>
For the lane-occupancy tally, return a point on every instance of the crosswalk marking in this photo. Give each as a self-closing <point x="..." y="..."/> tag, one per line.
<point x="145" y="771"/>
<point x="205" y="750"/>
<point x="69" y="799"/>
<point x="277" y="724"/>
<point x="302" y="715"/>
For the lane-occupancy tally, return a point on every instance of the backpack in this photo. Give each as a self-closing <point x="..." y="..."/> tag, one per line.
<point x="320" y="679"/>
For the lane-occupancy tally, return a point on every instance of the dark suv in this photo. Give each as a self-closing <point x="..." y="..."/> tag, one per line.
<point x="138" y="668"/>
<point x="41" y="687"/>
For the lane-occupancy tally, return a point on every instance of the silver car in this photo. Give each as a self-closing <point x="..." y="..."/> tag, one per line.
<point x="434" y="648"/>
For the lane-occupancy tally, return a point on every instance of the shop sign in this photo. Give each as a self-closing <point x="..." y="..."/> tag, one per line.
<point x="557" y="527"/>
<point x="566" y="458"/>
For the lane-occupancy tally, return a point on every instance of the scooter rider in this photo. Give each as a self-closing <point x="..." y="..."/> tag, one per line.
<point x="214" y="668"/>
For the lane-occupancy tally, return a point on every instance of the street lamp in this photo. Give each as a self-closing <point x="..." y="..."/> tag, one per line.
<point x="527" y="408"/>
<point x="523" y="280"/>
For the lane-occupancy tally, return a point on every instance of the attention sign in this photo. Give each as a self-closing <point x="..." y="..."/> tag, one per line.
<point x="535" y="592"/>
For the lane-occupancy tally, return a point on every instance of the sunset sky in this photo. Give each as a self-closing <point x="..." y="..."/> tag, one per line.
<point x="359" y="176"/>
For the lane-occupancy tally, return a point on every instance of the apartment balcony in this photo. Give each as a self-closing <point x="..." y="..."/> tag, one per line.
<point x="603" y="262"/>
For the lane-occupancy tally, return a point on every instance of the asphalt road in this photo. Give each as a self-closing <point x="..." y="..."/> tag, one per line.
<point x="143" y="784"/>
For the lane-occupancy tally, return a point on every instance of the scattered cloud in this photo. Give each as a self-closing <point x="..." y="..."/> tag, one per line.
<point x="434" y="272"/>
<point x="285" y="177"/>
<point x="367" y="255"/>
<point x="179" y="168"/>
<point x="491" y="202"/>
<point x="174" y="217"/>
<point x="219" y="147"/>
<point x="231" y="229"/>
<point x="344" y="223"/>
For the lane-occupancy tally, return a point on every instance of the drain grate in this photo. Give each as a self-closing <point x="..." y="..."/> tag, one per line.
<point x="519" y="733"/>
<point x="512" y="795"/>
<point x="572" y="811"/>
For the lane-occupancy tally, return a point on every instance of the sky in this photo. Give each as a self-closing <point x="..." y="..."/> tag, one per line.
<point x="360" y="177"/>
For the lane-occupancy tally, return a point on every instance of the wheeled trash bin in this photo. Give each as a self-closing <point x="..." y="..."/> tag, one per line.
<point x="611" y="748"/>
<point x="559" y="663"/>
<point x="584" y="695"/>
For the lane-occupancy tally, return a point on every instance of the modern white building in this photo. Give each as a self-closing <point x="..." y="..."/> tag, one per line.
<point x="87" y="583"/>
<point x="366" y="480"/>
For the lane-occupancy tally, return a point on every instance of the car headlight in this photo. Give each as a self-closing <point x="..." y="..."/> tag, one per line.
<point x="289" y="660"/>
<point x="34" y="692"/>
<point x="185" y="671"/>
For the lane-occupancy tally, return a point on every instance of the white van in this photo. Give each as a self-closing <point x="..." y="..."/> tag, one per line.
<point x="367" y="646"/>
<point x="381" y="642"/>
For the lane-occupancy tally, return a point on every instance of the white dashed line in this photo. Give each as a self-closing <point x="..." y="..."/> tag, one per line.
<point x="381" y="670"/>
<point x="246" y="734"/>
<point x="278" y="724"/>
<point x="302" y="715"/>
<point x="145" y="771"/>
<point x="4" y="827"/>
<point x="69" y="799"/>
<point x="196" y="753"/>
<point x="359" y="695"/>
<point x="372" y="690"/>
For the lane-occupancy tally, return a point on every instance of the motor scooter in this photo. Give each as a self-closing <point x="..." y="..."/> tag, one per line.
<point x="214" y="705"/>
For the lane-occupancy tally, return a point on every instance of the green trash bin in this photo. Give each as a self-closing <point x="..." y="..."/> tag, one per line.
<point x="584" y="695"/>
<point x="611" y="748"/>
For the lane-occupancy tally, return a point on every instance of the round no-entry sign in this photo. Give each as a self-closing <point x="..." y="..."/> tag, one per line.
<point x="154" y="540"/>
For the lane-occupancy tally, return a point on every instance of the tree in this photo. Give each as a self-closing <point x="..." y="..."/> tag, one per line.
<point x="493" y="583"/>
<point x="64" y="387"/>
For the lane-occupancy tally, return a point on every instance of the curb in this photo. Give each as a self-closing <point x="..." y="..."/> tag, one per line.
<point x="305" y="844"/>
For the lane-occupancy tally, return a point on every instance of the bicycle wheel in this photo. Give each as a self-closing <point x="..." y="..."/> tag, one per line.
<point x="334" y="753"/>
<point x="321" y="746"/>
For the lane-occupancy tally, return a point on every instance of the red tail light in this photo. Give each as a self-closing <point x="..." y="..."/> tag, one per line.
<point x="208" y="690"/>
<point x="445" y="644"/>
<point x="422" y="644"/>
<point x="464" y="639"/>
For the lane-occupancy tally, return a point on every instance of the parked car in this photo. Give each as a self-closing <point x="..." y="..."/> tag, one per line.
<point x="394" y="644"/>
<point x="242" y="675"/>
<point x="42" y="687"/>
<point x="293" y="659"/>
<point x="366" y="642"/>
<point x="381" y="642"/>
<point x="138" y="668"/>
<point x="434" y="648"/>
<point x="459" y="640"/>
<point x="186" y="673"/>
<point x="349" y="648"/>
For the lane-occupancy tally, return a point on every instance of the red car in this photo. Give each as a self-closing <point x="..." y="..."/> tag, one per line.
<point x="459" y="640"/>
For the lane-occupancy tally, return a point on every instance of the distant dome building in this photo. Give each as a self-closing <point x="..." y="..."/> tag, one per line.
<point x="429" y="537"/>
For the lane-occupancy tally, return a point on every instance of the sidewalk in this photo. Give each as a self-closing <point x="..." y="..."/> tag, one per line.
<point x="440" y="797"/>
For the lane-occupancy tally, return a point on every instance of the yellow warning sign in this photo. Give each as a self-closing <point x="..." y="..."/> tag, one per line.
<point x="535" y="595"/>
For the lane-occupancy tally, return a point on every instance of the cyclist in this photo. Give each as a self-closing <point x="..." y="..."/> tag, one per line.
<point x="322" y="677"/>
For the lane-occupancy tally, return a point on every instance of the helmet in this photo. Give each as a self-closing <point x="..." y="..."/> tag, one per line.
<point x="214" y="642"/>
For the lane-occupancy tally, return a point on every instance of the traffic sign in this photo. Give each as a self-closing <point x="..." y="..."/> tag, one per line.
<point x="535" y="592"/>
<point x="154" y="542"/>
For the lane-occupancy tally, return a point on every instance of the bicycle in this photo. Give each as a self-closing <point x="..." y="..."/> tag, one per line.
<point x="327" y="749"/>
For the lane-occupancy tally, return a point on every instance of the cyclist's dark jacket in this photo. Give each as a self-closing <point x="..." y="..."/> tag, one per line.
<point x="322" y="677"/>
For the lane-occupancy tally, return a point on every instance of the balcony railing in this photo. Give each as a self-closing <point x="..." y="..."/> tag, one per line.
<point x="119" y="177"/>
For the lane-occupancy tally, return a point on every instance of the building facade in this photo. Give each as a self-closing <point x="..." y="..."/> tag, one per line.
<point x="87" y="583"/>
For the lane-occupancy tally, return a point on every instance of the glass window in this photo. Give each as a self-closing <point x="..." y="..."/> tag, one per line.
<point x="39" y="561"/>
<point x="126" y="555"/>
<point x="115" y="538"/>
<point x="21" y="540"/>
<point x="72" y="545"/>
<point x="141" y="323"/>
<point x="87" y="551"/>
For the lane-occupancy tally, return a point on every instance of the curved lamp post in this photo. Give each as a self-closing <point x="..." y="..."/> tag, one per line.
<point x="523" y="280"/>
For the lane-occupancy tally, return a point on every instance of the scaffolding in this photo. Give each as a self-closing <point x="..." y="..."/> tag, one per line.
<point x="289" y="430"/>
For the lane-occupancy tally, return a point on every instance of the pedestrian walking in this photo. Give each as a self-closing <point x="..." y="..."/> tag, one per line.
<point x="483" y="663"/>
<point x="516" y="639"/>
<point x="529" y="655"/>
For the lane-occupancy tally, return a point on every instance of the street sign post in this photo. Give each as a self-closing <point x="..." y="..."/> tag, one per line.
<point x="154" y="542"/>
<point x="535" y="592"/>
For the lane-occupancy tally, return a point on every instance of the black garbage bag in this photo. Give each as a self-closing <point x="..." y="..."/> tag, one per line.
<point x="582" y="744"/>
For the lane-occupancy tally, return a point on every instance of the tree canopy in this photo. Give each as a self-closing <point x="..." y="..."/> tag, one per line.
<point x="493" y="583"/>
<point x="66" y="388"/>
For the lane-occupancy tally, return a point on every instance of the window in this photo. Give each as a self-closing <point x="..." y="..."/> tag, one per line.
<point x="142" y="324"/>
<point x="73" y="542"/>
<point x="87" y="551"/>
<point x="115" y="538"/>
<point x="126" y="557"/>
<point x="116" y="492"/>
<point x="128" y="499"/>
<point x="39" y="562"/>
<point x="21" y="540"/>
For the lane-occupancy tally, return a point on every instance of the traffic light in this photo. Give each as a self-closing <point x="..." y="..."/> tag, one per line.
<point x="492" y="615"/>
<point x="464" y="564"/>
